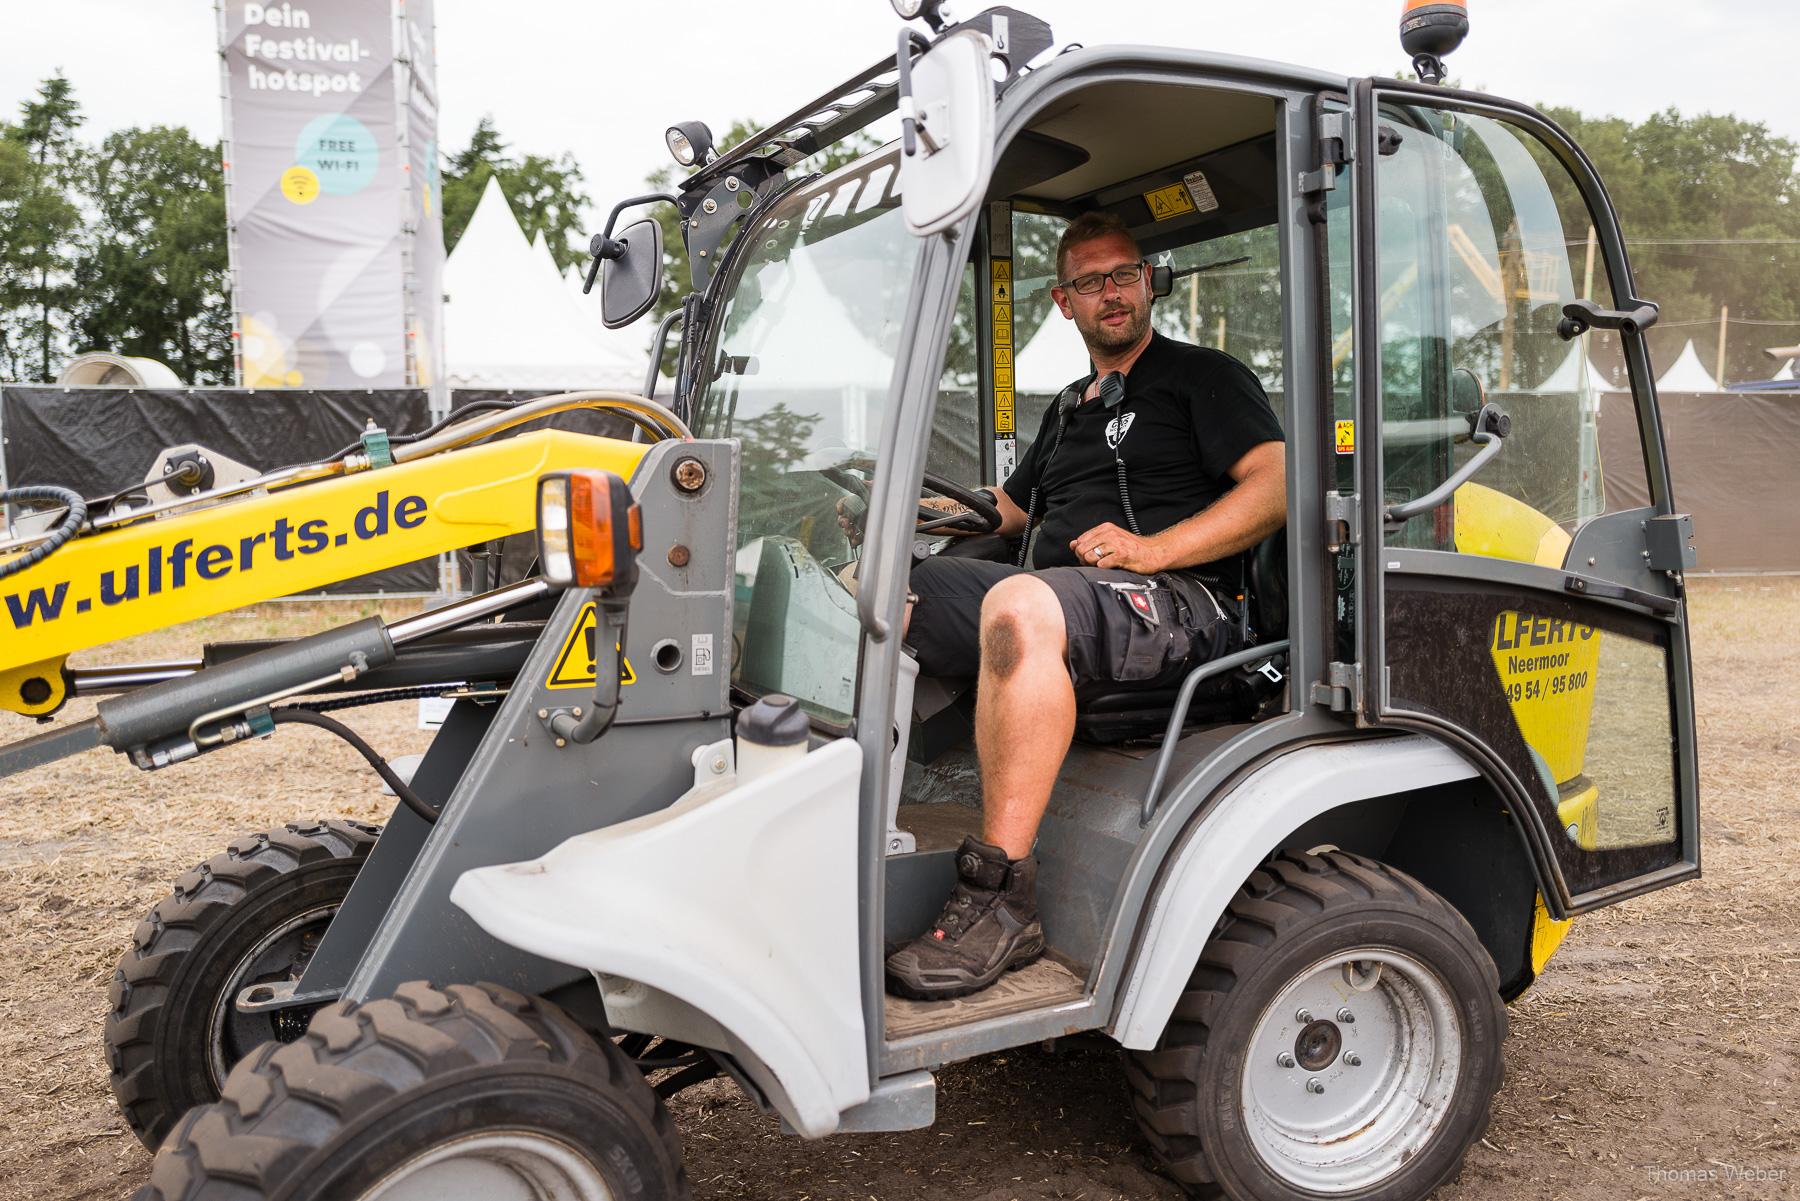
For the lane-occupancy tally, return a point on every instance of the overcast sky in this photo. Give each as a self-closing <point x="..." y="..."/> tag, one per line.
<point x="602" y="79"/>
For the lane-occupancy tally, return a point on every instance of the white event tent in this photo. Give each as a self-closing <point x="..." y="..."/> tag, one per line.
<point x="1687" y="375"/>
<point x="511" y="321"/>
<point x="1567" y="378"/>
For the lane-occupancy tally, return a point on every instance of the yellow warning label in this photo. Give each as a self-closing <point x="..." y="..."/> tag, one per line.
<point x="1003" y="413"/>
<point x="1002" y="292"/>
<point x="1346" y="437"/>
<point x="1003" y="378"/>
<point x="1003" y="356"/>
<point x="574" y="666"/>
<point x="1002" y="269"/>
<point x="1003" y="334"/>
<point x="1171" y="201"/>
<point x="1003" y="316"/>
<point x="1001" y="328"/>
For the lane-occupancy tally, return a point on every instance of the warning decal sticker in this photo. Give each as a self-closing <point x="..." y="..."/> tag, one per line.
<point x="1172" y="201"/>
<point x="1001" y="328"/>
<point x="1346" y="437"/>
<point x="1200" y="191"/>
<point x="574" y="667"/>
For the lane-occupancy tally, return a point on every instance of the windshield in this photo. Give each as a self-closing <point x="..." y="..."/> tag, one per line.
<point x="799" y="374"/>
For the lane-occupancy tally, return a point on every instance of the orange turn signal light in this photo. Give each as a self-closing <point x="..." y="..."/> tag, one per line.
<point x="589" y="530"/>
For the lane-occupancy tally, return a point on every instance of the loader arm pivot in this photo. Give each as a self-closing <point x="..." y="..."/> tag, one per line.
<point x="144" y="576"/>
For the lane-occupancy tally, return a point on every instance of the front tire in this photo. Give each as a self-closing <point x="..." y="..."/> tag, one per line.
<point x="249" y="916"/>
<point x="1340" y="1037"/>
<point x="471" y="1090"/>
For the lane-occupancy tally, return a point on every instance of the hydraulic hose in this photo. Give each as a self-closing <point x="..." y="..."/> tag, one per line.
<point x="477" y="428"/>
<point x="402" y="789"/>
<point x="71" y="523"/>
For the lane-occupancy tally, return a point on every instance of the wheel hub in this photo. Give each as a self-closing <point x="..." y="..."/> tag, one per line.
<point x="502" y="1165"/>
<point x="1318" y="1045"/>
<point x="1338" y="1103"/>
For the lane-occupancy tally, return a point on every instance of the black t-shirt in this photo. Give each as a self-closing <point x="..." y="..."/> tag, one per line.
<point x="1189" y="414"/>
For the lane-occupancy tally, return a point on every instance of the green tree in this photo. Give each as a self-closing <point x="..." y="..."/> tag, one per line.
<point x="546" y="194"/>
<point x="35" y="278"/>
<point x="1709" y="187"/>
<point x="151" y="276"/>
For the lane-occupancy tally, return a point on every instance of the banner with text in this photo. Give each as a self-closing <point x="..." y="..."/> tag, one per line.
<point x="316" y="177"/>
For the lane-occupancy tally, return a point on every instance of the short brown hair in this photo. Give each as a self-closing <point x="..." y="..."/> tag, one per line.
<point x="1090" y="227"/>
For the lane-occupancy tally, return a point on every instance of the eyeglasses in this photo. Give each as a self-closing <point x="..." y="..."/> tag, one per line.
<point x="1087" y="285"/>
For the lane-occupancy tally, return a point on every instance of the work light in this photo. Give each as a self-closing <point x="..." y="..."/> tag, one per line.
<point x="912" y="9"/>
<point x="691" y="142"/>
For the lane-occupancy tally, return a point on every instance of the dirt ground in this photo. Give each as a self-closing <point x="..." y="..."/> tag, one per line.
<point x="1656" y="1058"/>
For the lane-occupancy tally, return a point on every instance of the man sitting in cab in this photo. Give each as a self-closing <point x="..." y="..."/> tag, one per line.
<point x="1147" y="480"/>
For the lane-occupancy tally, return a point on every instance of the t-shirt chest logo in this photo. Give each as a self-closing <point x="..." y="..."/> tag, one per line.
<point x="1117" y="428"/>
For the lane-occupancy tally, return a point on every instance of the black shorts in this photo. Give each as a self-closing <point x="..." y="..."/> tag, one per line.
<point x="1123" y="628"/>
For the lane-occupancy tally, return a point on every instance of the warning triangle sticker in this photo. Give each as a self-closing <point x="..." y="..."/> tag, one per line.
<point x="574" y="667"/>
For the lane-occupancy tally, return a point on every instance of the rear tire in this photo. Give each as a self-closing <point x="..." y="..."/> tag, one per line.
<point x="1242" y="1097"/>
<point x="471" y="1090"/>
<point x="248" y="916"/>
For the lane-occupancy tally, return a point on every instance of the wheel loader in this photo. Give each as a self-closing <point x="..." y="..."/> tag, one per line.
<point x="692" y="783"/>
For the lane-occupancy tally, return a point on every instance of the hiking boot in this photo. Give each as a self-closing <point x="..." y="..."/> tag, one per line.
<point x="988" y="927"/>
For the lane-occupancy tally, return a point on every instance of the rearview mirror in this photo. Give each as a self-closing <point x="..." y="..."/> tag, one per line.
<point x="945" y="169"/>
<point x="629" y="283"/>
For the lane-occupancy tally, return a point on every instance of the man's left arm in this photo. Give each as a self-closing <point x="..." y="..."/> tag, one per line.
<point x="1254" y="508"/>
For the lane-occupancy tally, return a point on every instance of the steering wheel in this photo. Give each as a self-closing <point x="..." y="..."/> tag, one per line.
<point x="983" y="517"/>
<point x="984" y="514"/>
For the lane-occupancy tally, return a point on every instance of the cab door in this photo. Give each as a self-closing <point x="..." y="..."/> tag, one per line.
<point x="1517" y="554"/>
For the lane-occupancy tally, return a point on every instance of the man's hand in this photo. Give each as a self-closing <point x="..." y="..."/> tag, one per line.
<point x="850" y="514"/>
<point x="1106" y="545"/>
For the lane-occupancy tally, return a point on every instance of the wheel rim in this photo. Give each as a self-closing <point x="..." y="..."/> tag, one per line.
<point x="1351" y="1070"/>
<point x="280" y="955"/>
<point x="496" y="1166"/>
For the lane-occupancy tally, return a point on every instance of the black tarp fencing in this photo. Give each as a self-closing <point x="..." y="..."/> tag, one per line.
<point x="1734" y="463"/>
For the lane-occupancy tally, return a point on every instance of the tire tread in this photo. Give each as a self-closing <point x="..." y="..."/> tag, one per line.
<point x="202" y="897"/>
<point x="252" y="1141"/>
<point x="1286" y="891"/>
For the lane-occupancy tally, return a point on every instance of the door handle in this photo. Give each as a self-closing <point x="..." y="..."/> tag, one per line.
<point x="1583" y="585"/>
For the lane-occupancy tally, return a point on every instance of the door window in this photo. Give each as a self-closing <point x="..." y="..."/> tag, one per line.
<point x="1483" y="240"/>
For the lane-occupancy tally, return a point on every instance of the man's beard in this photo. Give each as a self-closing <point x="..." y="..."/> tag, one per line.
<point x="1105" y="337"/>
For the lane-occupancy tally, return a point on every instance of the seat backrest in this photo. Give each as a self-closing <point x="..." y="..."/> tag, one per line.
<point x="1266" y="579"/>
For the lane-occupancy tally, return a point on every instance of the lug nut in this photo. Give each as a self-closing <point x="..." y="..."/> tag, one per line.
<point x="1353" y="1059"/>
<point x="1285" y="1060"/>
<point x="1315" y="1086"/>
<point x="1346" y="1017"/>
<point x="1303" y="1016"/>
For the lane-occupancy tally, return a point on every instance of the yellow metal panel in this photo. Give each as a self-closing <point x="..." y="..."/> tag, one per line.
<point x="1547" y="934"/>
<point x="1546" y="667"/>
<point x="157" y="573"/>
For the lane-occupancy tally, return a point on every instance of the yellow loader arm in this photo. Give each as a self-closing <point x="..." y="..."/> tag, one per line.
<point x="159" y="572"/>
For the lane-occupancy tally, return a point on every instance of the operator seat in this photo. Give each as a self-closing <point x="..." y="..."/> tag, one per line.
<point x="1122" y="716"/>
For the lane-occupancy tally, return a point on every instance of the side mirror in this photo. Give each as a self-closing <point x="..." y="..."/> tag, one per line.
<point x="630" y="282"/>
<point x="947" y="114"/>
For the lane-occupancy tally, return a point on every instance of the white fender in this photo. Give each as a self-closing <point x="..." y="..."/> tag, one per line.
<point x="1215" y="858"/>
<point x="739" y="900"/>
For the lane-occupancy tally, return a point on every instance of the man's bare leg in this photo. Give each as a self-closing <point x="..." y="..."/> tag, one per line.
<point x="1024" y="711"/>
